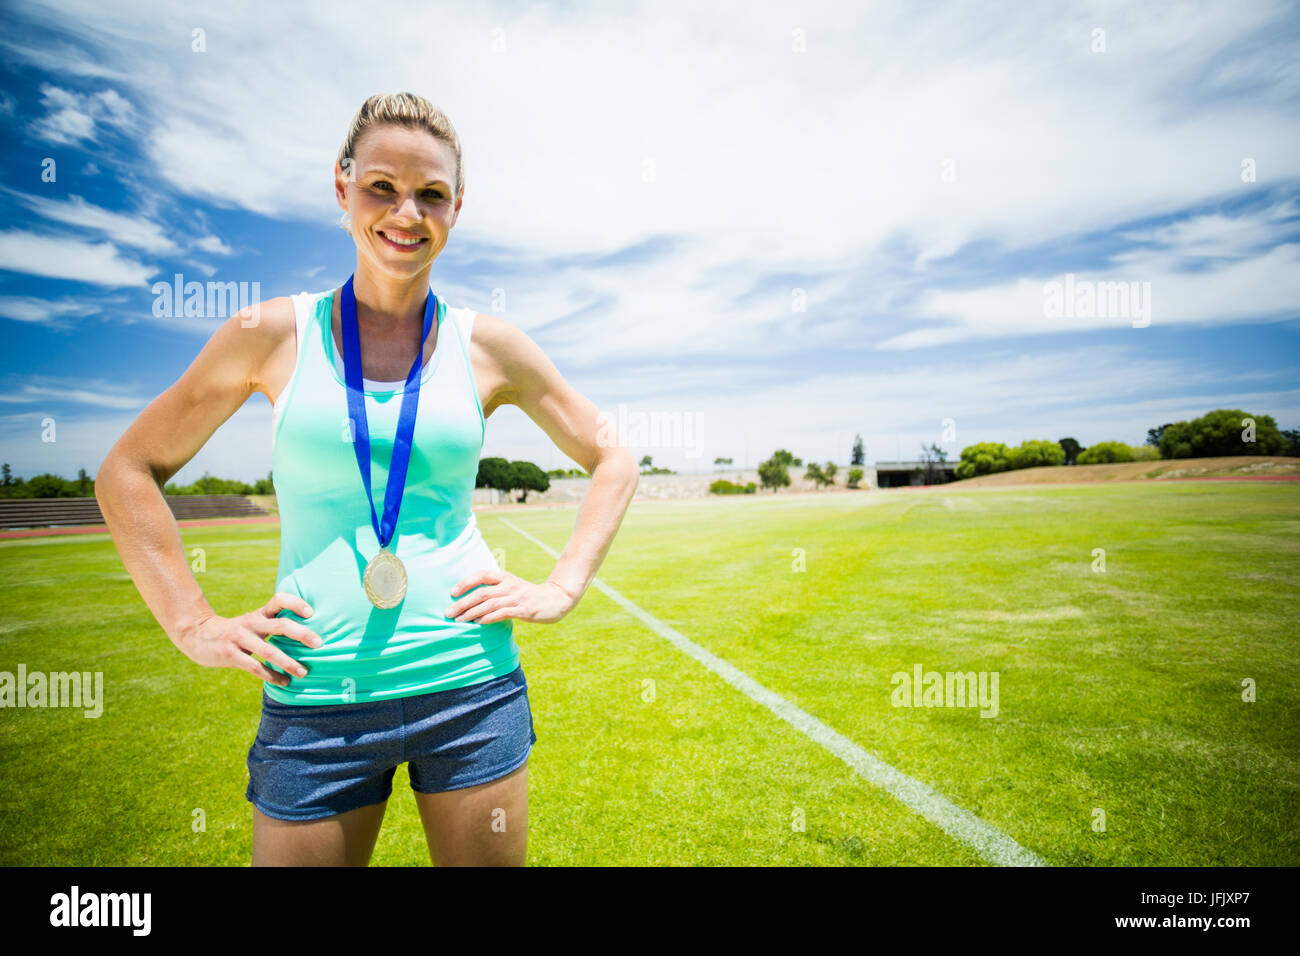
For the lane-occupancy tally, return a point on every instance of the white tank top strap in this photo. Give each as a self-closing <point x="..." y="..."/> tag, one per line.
<point x="304" y="307"/>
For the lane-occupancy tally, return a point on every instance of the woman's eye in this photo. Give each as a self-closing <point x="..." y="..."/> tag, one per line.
<point x="433" y="193"/>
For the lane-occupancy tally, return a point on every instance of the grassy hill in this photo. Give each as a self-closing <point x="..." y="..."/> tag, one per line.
<point x="1239" y="466"/>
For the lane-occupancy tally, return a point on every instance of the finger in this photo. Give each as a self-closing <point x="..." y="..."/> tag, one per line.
<point x="254" y="665"/>
<point x="485" y="607"/>
<point x="500" y="614"/>
<point x="283" y="601"/>
<point x="286" y="627"/>
<point x="250" y="642"/>
<point x="459" y="607"/>
<point x="481" y="576"/>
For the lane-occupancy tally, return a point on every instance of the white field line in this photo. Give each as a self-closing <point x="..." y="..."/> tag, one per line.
<point x="988" y="841"/>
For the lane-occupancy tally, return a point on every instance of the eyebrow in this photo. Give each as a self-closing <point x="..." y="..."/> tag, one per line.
<point x="385" y="172"/>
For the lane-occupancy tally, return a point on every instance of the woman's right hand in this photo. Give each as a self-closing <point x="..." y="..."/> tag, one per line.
<point x="218" y="641"/>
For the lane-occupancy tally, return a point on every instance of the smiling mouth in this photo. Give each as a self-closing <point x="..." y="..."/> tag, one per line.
<point x="403" y="243"/>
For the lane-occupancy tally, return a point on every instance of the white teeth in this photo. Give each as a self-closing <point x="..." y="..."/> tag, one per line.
<point x="402" y="242"/>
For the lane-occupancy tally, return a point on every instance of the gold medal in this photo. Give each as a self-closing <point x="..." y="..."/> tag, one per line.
<point x="385" y="580"/>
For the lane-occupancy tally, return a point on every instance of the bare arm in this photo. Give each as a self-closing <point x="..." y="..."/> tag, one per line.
<point x="165" y="436"/>
<point x="531" y="381"/>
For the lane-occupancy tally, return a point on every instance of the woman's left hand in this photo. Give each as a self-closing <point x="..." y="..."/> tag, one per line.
<point x="505" y="595"/>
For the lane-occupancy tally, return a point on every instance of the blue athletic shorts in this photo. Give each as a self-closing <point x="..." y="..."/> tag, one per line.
<point x="316" y="760"/>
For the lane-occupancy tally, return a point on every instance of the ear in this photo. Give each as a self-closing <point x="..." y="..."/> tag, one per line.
<point x="460" y="200"/>
<point x="342" y="176"/>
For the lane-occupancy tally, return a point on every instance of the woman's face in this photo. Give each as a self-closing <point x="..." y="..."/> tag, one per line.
<point x="399" y="188"/>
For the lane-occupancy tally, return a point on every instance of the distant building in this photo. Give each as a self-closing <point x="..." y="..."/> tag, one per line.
<point x="899" y="474"/>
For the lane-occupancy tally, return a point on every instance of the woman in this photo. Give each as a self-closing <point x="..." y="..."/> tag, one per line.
<point x="389" y="638"/>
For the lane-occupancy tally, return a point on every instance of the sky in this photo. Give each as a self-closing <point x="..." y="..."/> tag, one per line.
<point x="735" y="227"/>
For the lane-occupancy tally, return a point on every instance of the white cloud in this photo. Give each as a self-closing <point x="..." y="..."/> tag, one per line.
<point x="72" y="117"/>
<point x="42" y="390"/>
<point x="1094" y="393"/>
<point x="213" y="245"/>
<point x="1265" y="287"/>
<point x="125" y="229"/>
<point x="26" y="308"/>
<point x="57" y="258"/>
<point x="788" y="160"/>
<point x="240" y="448"/>
<point x="1216" y="236"/>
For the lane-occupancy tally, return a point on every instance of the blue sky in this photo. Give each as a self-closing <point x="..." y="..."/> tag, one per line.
<point x="772" y="225"/>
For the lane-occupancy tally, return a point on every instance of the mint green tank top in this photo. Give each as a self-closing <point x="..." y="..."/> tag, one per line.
<point x="327" y="538"/>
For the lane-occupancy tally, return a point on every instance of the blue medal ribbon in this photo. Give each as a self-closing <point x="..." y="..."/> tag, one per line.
<point x="357" y="412"/>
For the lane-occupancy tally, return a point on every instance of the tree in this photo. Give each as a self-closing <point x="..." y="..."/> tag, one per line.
<point x="983" y="458"/>
<point x="1153" y="435"/>
<point x="859" y="455"/>
<point x="646" y="462"/>
<point x="786" y="458"/>
<point x="855" y="477"/>
<point x="721" y="462"/>
<point x="50" y="486"/>
<point x="1036" y="453"/>
<point x="10" y="486"/>
<point x="933" y="457"/>
<point x="527" y="477"/>
<point x="494" y="473"/>
<point x="1224" y="431"/>
<point x="211" y="485"/>
<point x="1292" y="435"/>
<point x="774" y="473"/>
<point x="1071" y="449"/>
<point x="822" y="475"/>
<point x="1105" y="452"/>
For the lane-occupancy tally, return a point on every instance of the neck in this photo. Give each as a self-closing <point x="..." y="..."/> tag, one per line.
<point x="390" y="302"/>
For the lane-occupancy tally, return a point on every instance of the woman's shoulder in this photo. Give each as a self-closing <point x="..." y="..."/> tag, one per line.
<point x="515" y="362"/>
<point x="496" y="336"/>
<point x="266" y="322"/>
<point x="267" y="333"/>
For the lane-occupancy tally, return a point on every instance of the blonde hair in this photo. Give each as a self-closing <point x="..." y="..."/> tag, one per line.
<point x="402" y="109"/>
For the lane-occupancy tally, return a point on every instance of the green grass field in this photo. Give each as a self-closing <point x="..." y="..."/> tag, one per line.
<point x="1119" y="690"/>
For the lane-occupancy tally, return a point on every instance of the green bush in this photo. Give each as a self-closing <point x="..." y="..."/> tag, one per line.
<point x="724" y="487"/>
<point x="1105" y="452"/>
<point x="984" y="458"/>
<point x="1035" y="454"/>
<point x="1222" y="432"/>
<point x="211" y="485"/>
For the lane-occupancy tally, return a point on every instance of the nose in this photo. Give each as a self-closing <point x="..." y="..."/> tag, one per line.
<point x="408" y="209"/>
